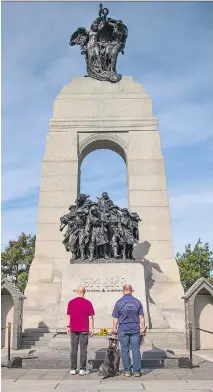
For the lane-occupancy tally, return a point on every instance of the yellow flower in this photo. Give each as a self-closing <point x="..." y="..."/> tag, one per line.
<point x="103" y="332"/>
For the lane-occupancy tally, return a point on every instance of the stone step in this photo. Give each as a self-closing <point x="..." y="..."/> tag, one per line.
<point x="54" y="352"/>
<point x="62" y="340"/>
<point x="30" y="338"/>
<point x="161" y="338"/>
<point x="50" y="357"/>
<point x="95" y="344"/>
<point x="29" y="343"/>
<point x="37" y="333"/>
<point x="36" y="330"/>
<point x="64" y="363"/>
<point x="35" y="337"/>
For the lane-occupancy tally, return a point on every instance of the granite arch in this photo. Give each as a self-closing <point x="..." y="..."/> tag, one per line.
<point x="202" y="287"/>
<point x="103" y="141"/>
<point x="16" y="298"/>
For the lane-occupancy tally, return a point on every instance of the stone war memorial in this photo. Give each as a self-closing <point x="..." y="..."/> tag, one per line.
<point x="96" y="243"/>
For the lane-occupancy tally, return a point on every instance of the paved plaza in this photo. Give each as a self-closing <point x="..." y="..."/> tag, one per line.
<point x="59" y="380"/>
<point x="199" y="379"/>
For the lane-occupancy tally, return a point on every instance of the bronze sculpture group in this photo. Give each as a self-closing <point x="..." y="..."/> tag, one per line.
<point x="101" y="46"/>
<point x="100" y="230"/>
<point x="97" y="230"/>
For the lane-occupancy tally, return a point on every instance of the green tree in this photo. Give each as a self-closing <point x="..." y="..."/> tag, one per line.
<point x="195" y="263"/>
<point x="17" y="258"/>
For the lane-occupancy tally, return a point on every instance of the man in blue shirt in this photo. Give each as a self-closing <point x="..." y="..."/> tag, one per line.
<point x="129" y="323"/>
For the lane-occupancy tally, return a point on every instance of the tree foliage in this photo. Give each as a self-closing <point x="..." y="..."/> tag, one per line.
<point x="17" y="258"/>
<point x="195" y="263"/>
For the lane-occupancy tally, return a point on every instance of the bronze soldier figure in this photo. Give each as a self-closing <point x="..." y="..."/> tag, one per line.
<point x="97" y="232"/>
<point x="77" y="238"/>
<point x="116" y="230"/>
<point x="104" y="202"/>
<point x="127" y="234"/>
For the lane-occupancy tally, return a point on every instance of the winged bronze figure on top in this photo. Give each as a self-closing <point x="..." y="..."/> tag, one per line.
<point x="101" y="46"/>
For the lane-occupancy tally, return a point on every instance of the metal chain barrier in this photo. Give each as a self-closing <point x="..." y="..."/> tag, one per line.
<point x="190" y="340"/>
<point x="204" y="330"/>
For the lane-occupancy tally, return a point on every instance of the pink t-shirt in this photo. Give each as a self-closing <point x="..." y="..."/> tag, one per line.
<point x="79" y="309"/>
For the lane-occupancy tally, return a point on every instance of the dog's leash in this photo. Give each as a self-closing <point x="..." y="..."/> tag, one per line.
<point x="142" y="337"/>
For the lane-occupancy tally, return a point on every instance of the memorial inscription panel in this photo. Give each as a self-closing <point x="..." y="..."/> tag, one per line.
<point x="103" y="288"/>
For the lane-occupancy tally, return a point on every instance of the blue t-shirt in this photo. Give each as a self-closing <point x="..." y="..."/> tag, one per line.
<point x="127" y="310"/>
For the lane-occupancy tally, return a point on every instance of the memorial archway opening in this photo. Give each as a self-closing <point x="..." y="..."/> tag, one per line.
<point x="102" y="168"/>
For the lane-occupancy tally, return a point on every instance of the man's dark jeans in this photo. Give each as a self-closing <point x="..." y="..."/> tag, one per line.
<point x="132" y="340"/>
<point x="76" y="338"/>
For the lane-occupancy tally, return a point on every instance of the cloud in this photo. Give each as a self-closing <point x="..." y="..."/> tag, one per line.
<point x="13" y="180"/>
<point x="191" y="207"/>
<point x="16" y="221"/>
<point x="177" y="125"/>
<point x="193" y="198"/>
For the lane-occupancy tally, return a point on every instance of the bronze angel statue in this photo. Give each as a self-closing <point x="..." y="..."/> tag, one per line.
<point x="101" y="46"/>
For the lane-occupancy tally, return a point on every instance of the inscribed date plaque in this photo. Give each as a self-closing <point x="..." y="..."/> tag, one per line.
<point x="96" y="283"/>
<point x="103" y="285"/>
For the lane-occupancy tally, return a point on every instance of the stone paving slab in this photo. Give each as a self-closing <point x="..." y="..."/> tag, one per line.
<point x="205" y="354"/>
<point x="107" y="388"/>
<point x="55" y="374"/>
<point x="206" y="365"/>
<point x="181" y="385"/>
<point x="153" y="380"/>
<point x="28" y="386"/>
<point x="187" y="374"/>
<point x="206" y="374"/>
<point x="164" y="374"/>
<point x="200" y="383"/>
<point x="148" y="374"/>
<point x="12" y="374"/>
<point x="174" y="389"/>
<point x="33" y="374"/>
<point x="112" y="386"/>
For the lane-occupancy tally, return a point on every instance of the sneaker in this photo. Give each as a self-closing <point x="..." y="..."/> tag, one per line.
<point x="73" y="372"/>
<point x="137" y="374"/>
<point x="83" y="372"/>
<point x="127" y="374"/>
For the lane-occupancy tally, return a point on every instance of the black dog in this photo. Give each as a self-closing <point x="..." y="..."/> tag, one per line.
<point x="110" y="367"/>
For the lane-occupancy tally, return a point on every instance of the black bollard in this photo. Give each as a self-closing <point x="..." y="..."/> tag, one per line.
<point x="190" y="344"/>
<point x="9" y="339"/>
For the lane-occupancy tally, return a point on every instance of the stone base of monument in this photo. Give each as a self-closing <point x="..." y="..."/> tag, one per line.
<point x="104" y="282"/>
<point x="103" y="285"/>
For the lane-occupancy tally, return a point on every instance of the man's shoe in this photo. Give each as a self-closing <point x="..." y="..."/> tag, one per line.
<point x="137" y="374"/>
<point x="127" y="374"/>
<point x="83" y="372"/>
<point x="73" y="372"/>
